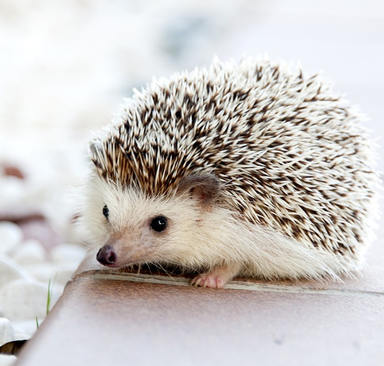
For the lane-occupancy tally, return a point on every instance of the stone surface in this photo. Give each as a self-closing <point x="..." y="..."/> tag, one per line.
<point x="30" y="252"/>
<point x="12" y="171"/>
<point x="146" y="323"/>
<point x="20" y="214"/>
<point x="10" y="271"/>
<point x="7" y="360"/>
<point x="26" y="268"/>
<point x="24" y="329"/>
<point x="42" y="231"/>
<point x="25" y="299"/>
<point x="63" y="273"/>
<point x="68" y="253"/>
<point x="7" y="333"/>
<point x="58" y="274"/>
<point x="10" y="236"/>
<point x="42" y="272"/>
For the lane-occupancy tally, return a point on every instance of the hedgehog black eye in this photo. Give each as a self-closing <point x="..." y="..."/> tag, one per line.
<point x="159" y="223"/>
<point x="106" y="211"/>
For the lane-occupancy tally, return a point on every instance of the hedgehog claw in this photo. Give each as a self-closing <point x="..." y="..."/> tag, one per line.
<point x="217" y="278"/>
<point x="196" y="281"/>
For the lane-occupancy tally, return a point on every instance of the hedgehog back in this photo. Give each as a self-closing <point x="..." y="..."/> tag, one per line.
<point x="288" y="151"/>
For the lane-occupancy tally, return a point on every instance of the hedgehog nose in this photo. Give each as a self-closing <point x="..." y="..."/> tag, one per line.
<point x="106" y="255"/>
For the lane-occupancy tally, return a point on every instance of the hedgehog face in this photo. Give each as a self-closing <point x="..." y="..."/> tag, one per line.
<point x="129" y="227"/>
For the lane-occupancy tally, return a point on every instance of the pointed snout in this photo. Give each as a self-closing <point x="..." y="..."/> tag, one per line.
<point x="107" y="256"/>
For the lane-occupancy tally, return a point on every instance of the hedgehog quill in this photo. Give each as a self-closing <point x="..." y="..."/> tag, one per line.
<point x="239" y="169"/>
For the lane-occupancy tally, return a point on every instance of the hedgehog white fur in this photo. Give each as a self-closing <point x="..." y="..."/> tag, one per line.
<point x="239" y="169"/>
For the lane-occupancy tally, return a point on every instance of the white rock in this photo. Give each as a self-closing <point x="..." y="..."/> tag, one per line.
<point x="43" y="272"/>
<point x="10" y="236"/>
<point x="7" y="360"/>
<point x="13" y="191"/>
<point x="68" y="253"/>
<point x="23" y="299"/>
<point x="25" y="329"/>
<point x="10" y="271"/>
<point x="64" y="272"/>
<point x="59" y="273"/>
<point x="6" y="331"/>
<point x="30" y="252"/>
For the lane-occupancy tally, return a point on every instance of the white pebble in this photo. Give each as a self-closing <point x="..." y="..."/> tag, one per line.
<point x="7" y="360"/>
<point x="63" y="273"/>
<point x="68" y="253"/>
<point x="23" y="300"/>
<point x="13" y="192"/>
<point x="43" y="272"/>
<point x="10" y="236"/>
<point x="58" y="273"/>
<point x="25" y="329"/>
<point x="6" y="331"/>
<point x="10" y="271"/>
<point x="30" y="252"/>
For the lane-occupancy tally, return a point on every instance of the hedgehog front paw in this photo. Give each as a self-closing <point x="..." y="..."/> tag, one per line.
<point x="216" y="278"/>
<point x="208" y="280"/>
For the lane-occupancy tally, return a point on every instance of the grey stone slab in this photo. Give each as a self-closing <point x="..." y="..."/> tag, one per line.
<point x="114" y="322"/>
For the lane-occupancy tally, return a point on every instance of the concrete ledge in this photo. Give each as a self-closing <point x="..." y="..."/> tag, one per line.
<point x="112" y="318"/>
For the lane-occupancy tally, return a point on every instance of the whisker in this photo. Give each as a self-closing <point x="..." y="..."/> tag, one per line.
<point x="158" y="265"/>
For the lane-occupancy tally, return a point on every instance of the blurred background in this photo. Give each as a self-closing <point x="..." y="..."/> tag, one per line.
<point x="66" y="65"/>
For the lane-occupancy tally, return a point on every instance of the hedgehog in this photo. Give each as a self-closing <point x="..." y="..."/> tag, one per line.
<point x="242" y="168"/>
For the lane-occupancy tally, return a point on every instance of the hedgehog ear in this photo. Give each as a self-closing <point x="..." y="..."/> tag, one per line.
<point x="204" y="187"/>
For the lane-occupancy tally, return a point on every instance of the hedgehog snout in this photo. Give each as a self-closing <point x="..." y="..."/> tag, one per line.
<point x="107" y="256"/>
